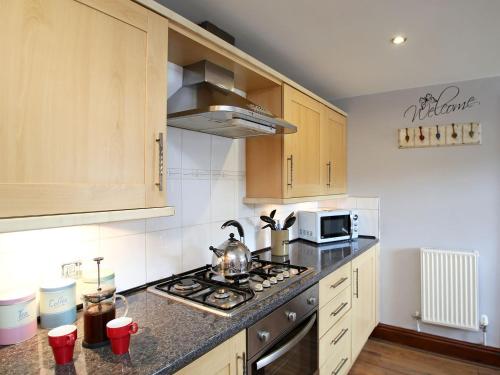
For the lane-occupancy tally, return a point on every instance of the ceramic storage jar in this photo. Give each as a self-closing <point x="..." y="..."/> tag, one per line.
<point x="17" y="316"/>
<point x="57" y="303"/>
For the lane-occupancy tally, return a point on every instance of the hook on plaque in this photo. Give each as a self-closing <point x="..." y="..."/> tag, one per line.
<point x="471" y="131"/>
<point x="438" y="134"/>
<point x="421" y="136"/>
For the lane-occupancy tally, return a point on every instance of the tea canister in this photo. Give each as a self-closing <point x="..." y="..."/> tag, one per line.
<point x="17" y="316"/>
<point x="57" y="303"/>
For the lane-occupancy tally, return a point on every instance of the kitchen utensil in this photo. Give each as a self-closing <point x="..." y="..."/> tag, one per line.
<point x="269" y="220"/>
<point x="232" y="258"/>
<point x="17" y="315"/>
<point x="57" y="303"/>
<point x="62" y="340"/>
<point x="89" y="280"/>
<point x="267" y="226"/>
<point x="279" y="242"/>
<point x="99" y="308"/>
<point x="273" y="212"/>
<point x="119" y="331"/>
<point x="289" y="223"/>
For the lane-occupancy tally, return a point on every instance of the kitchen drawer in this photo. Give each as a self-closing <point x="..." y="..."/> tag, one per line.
<point x="338" y="364"/>
<point x="333" y="284"/>
<point x="334" y="310"/>
<point x="334" y="342"/>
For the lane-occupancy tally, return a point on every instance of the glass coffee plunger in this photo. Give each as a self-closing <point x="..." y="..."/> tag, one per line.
<point x="99" y="307"/>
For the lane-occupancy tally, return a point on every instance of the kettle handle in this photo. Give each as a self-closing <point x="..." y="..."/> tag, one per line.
<point x="237" y="225"/>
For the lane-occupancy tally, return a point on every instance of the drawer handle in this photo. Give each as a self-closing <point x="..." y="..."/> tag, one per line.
<point x="339" y="336"/>
<point x="333" y="286"/>
<point x="339" y="309"/>
<point x="339" y="366"/>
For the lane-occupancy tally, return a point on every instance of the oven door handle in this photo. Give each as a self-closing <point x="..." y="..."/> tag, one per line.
<point x="271" y="357"/>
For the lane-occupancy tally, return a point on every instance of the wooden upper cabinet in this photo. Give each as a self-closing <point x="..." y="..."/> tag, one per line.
<point x="302" y="149"/>
<point x="309" y="163"/>
<point x="334" y="153"/>
<point x="82" y="106"/>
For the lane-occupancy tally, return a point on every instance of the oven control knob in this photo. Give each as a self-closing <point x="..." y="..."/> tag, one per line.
<point x="266" y="284"/>
<point x="273" y="280"/>
<point x="291" y="316"/>
<point x="355" y="217"/>
<point x="279" y="277"/>
<point x="258" y="287"/>
<point x="263" y="336"/>
<point x="286" y="274"/>
<point x="311" y="301"/>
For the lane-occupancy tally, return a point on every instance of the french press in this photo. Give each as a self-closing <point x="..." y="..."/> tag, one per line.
<point x="99" y="307"/>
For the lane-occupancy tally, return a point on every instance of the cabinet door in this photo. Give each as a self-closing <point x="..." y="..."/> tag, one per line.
<point x="226" y="359"/>
<point x="334" y="153"/>
<point x="363" y="299"/>
<point x="82" y="103"/>
<point x="301" y="161"/>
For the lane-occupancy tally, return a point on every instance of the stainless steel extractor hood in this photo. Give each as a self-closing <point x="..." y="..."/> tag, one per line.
<point x="206" y="103"/>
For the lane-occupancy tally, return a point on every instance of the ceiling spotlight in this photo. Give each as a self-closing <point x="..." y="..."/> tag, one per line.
<point x="398" y="39"/>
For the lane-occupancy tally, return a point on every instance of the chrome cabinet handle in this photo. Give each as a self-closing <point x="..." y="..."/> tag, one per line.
<point x="338" y="309"/>
<point x="356" y="294"/>
<point x="160" y="161"/>
<point x="243" y="358"/>
<point x="290" y="159"/>
<point x="339" y="336"/>
<point x="329" y="166"/>
<point x="333" y="286"/>
<point x="339" y="366"/>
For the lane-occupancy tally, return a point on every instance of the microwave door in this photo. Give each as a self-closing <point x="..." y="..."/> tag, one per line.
<point x="338" y="227"/>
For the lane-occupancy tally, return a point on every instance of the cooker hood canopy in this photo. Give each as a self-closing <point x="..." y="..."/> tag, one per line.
<point x="207" y="103"/>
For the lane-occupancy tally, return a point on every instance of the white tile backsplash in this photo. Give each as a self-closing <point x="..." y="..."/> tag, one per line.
<point x="196" y="150"/>
<point x="163" y="254"/>
<point x="223" y="198"/>
<point x="195" y="201"/>
<point x="126" y="255"/>
<point x="195" y="243"/>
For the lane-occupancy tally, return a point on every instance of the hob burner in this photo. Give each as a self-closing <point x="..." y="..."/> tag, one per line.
<point x="186" y="285"/>
<point x="225" y="298"/>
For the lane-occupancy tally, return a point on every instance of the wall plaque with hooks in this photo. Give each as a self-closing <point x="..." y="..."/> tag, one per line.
<point x="440" y="135"/>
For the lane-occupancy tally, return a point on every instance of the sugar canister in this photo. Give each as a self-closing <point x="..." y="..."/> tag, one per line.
<point x="57" y="303"/>
<point x="17" y="316"/>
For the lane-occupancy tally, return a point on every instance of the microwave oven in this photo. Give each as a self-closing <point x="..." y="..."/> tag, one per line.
<point x="326" y="225"/>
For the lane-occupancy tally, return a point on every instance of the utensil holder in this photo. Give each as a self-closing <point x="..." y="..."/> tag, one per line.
<point x="279" y="242"/>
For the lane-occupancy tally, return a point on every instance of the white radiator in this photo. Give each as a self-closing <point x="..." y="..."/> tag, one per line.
<point x="449" y="283"/>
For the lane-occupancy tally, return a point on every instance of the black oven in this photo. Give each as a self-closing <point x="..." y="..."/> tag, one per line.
<point x="286" y="341"/>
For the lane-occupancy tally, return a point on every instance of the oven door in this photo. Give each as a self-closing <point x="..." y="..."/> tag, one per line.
<point x="295" y="353"/>
<point x="335" y="227"/>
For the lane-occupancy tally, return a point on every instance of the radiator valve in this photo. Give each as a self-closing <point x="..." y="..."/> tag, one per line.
<point x="483" y="324"/>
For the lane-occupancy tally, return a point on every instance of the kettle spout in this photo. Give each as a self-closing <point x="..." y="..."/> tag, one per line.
<point x="217" y="252"/>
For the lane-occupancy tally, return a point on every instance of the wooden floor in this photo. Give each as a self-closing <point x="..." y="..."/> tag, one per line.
<point x="384" y="358"/>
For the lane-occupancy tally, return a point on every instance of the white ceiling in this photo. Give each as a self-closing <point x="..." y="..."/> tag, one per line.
<point x="341" y="48"/>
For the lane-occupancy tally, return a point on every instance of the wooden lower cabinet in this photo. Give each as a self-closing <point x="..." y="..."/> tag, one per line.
<point x="364" y="298"/>
<point x="82" y="106"/>
<point x="229" y="358"/>
<point x="347" y="315"/>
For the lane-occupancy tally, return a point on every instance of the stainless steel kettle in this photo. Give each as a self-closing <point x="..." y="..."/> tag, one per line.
<point x="232" y="259"/>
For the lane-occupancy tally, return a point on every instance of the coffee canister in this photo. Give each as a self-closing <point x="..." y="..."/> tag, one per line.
<point x="57" y="303"/>
<point x="17" y="316"/>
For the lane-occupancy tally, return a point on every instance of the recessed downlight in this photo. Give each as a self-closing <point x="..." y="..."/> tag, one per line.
<point x="398" y="40"/>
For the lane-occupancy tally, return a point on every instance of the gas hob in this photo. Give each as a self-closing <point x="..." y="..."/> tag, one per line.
<point x="204" y="289"/>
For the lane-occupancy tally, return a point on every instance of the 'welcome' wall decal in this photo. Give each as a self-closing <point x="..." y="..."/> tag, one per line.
<point x="445" y="103"/>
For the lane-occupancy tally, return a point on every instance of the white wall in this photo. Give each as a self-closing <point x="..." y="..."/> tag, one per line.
<point x="438" y="197"/>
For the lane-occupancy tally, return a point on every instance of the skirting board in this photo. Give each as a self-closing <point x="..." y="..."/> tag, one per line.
<point x="66" y="220"/>
<point x="486" y="355"/>
<point x="248" y="200"/>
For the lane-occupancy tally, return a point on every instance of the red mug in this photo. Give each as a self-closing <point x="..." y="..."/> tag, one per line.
<point x="62" y="340"/>
<point x="119" y="331"/>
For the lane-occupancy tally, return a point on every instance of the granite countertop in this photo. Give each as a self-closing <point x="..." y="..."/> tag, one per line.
<point x="171" y="334"/>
